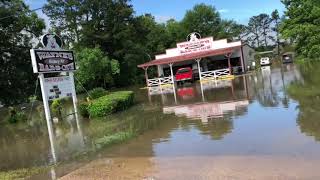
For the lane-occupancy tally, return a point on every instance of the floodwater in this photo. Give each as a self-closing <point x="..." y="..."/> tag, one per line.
<point x="247" y="128"/>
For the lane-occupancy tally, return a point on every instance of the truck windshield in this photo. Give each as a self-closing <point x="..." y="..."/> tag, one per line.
<point x="183" y="71"/>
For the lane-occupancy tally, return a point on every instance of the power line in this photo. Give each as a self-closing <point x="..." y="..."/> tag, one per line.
<point x="33" y="10"/>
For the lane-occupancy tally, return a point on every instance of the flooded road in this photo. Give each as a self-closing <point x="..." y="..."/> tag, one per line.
<point x="249" y="128"/>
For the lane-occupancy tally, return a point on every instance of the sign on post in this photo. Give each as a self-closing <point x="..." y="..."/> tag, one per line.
<point x="49" y="61"/>
<point x="53" y="59"/>
<point x="58" y="87"/>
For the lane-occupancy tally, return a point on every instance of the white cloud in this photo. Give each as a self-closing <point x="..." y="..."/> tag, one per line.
<point x="223" y="10"/>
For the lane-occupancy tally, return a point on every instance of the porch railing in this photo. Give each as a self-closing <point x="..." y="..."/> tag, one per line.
<point x="160" y="81"/>
<point x="215" y="74"/>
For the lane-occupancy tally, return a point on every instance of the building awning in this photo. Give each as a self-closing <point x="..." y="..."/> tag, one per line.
<point x="192" y="56"/>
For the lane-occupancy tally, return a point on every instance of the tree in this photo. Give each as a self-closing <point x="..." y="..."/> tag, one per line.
<point x="301" y="24"/>
<point x="258" y="30"/>
<point x="95" y="69"/>
<point x="265" y="25"/>
<point x="203" y="19"/>
<point x="18" y="28"/>
<point x="276" y="18"/>
<point x="253" y="30"/>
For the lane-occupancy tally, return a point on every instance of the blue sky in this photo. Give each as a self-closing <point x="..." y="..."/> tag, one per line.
<point x="238" y="10"/>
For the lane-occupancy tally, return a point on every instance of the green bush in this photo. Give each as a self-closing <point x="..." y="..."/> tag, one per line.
<point x="108" y="104"/>
<point x="97" y="93"/>
<point x="83" y="109"/>
<point x="16" y="116"/>
<point x="56" y="107"/>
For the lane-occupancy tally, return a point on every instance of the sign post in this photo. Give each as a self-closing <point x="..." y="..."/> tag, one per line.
<point x="52" y="59"/>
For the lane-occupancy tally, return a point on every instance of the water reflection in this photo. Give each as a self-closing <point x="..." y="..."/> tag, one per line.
<point x="307" y="94"/>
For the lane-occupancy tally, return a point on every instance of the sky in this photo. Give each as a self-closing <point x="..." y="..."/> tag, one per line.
<point x="163" y="10"/>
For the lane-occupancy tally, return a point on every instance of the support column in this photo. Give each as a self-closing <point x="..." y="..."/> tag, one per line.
<point x="171" y="71"/>
<point x="242" y="60"/>
<point x="199" y="69"/>
<point x="146" y="75"/>
<point x="229" y="62"/>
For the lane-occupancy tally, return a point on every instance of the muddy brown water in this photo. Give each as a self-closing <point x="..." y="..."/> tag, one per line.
<point x="247" y="128"/>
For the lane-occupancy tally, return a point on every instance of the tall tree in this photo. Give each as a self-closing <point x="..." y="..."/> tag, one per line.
<point x="253" y="31"/>
<point x="301" y="24"/>
<point x="265" y="25"/>
<point x="276" y="18"/>
<point x="18" y="28"/>
<point x="203" y="19"/>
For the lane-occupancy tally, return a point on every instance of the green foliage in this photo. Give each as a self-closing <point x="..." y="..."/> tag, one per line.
<point x="56" y="107"/>
<point x="95" y="69"/>
<point x="83" y="109"/>
<point x="16" y="116"/>
<point x="113" y="102"/>
<point x="301" y="25"/>
<point x="114" y="139"/>
<point x="23" y="173"/>
<point x="259" y="29"/>
<point x="18" y="27"/>
<point x="96" y="93"/>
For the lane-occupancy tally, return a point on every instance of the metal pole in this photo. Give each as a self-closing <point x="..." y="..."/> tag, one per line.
<point x="48" y="117"/>
<point x="198" y="62"/>
<point x="74" y="95"/>
<point x="171" y="71"/>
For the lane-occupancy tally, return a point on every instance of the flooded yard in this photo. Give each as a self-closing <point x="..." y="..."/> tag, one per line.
<point x="257" y="126"/>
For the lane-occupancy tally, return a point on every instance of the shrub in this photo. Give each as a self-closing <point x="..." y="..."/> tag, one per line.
<point x="56" y="107"/>
<point x="15" y="115"/>
<point x="83" y="109"/>
<point x="108" y="104"/>
<point x="97" y="93"/>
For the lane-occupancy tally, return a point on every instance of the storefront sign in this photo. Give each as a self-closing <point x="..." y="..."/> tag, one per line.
<point x="58" y="87"/>
<point x="195" y="45"/>
<point x="49" y="61"/>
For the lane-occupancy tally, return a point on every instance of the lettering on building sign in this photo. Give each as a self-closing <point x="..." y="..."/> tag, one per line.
<point x="195" y="45"/>
<point x="46" y="61"/>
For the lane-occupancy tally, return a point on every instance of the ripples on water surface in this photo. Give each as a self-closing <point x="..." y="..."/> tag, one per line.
<point x="250" y="123"/>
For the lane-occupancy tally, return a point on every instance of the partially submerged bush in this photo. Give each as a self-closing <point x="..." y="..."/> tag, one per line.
<point x="16" y="116"/>
<point x="56" y="107"/>
<point x="83" y="109"/>
<point x="116" y="101"/>
<point x="97" y="93"/>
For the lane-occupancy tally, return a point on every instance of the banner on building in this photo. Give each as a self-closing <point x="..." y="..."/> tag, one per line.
<point x="195" y="45"/>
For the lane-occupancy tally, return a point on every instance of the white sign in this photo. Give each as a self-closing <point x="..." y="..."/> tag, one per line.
<point x="58" y="87"/>
<point x="195" y="45"/>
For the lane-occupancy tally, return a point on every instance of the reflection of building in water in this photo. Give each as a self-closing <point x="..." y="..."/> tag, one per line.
<point x="205" y="111"/>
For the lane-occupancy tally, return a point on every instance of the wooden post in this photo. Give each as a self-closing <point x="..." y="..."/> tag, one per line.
<point x="199" y="69"/>
<point x="146" y="75"/>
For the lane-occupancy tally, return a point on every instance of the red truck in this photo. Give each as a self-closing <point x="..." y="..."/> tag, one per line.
<point x="184" y="74"/>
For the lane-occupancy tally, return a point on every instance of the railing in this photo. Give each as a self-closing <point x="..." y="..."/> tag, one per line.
<point x="160" y="90"/>
<point x="215" y="74"/>
<point x="160" y="81"/>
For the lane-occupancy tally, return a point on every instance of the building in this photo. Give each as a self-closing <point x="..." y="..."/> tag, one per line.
<point x="206" y="57"/>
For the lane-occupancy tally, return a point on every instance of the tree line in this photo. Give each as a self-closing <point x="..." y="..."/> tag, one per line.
<point x="110" y="40"/>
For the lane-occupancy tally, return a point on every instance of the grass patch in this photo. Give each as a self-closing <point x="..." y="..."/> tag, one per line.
<point x="23" y="173"/>
<point x="114" y="139"/>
